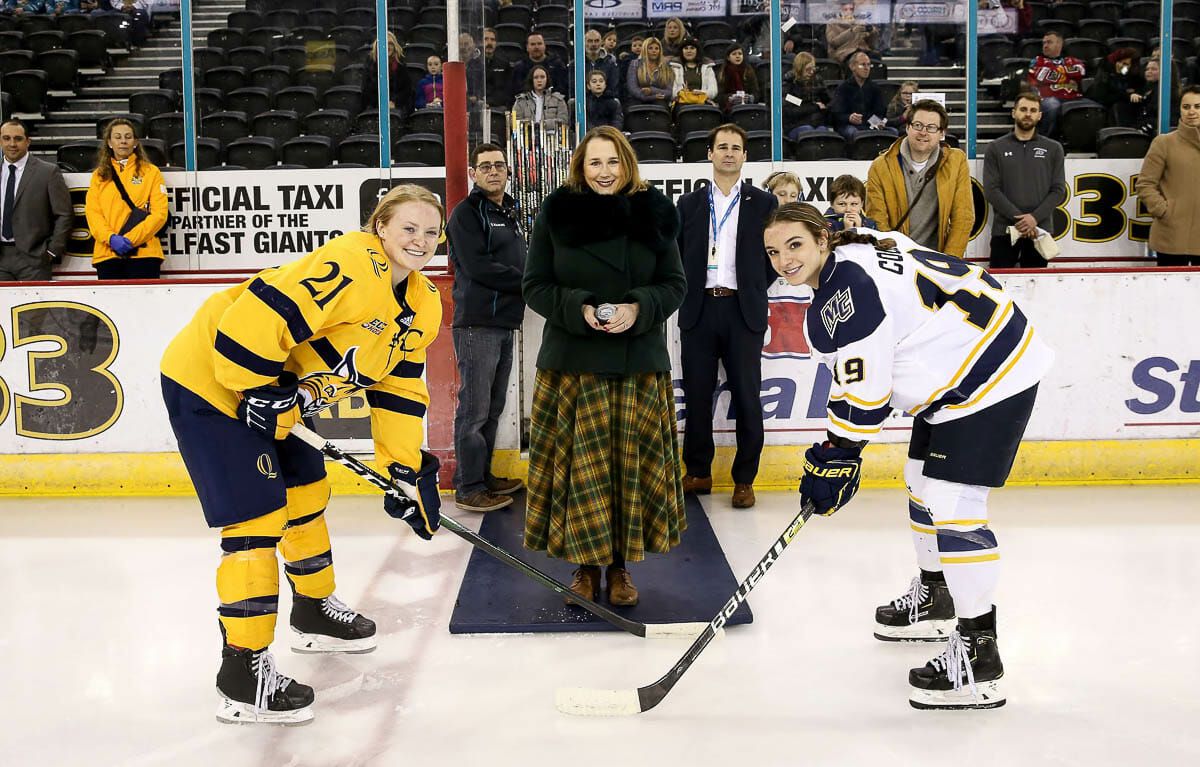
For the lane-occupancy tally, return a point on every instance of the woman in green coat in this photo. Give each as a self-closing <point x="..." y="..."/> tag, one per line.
<point x="604" y="270"/>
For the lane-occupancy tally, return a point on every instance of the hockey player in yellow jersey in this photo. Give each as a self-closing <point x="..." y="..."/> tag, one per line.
<point x="353" y="315"/>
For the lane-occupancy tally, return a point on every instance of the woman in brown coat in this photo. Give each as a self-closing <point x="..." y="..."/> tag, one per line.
<point x="1167" y="185"/>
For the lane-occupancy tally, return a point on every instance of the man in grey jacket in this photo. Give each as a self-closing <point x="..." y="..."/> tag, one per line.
<point x="35" y="209"/>
<point x="1024" y="181"/>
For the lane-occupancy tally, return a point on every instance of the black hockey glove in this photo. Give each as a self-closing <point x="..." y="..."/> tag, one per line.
<point x="830" y="477"/>
<point x="421" y="505"/>
<point x="272" y="410"/>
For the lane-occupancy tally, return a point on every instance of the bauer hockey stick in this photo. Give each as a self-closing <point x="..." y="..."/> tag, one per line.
<point x="590" y="702"/>
<point x="649" y="630"/>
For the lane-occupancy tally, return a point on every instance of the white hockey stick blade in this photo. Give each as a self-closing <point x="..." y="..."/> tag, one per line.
<point x="579" y="701"/>
<point x="677" y="630"/>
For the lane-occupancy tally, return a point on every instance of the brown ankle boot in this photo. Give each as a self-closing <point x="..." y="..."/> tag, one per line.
<point x="621" y="591"/>
<point x="586" y="583"/>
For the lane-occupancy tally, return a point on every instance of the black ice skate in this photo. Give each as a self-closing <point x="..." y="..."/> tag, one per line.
<point x="328" y="625"/>
<point x="924" y="614"/>
<point x="966" y="674"/>
<point x="252" y="691"/>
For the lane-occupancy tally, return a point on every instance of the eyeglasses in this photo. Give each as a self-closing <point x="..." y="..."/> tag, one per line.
<point x="488" y="167"/>
<point x="923" y="128"/>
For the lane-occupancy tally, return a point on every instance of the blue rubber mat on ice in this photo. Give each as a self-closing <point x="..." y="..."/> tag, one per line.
<point x="690" y="584"/>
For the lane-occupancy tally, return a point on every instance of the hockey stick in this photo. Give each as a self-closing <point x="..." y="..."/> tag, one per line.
<point x="590" y="702"/>
<point x="649" y="630"/>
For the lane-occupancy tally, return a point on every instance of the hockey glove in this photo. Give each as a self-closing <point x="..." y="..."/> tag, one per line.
<point x="421" y="505"/>
<point x="830" y="477"/>
<point x="272" y="410"/>
<point x="121" y="245"/>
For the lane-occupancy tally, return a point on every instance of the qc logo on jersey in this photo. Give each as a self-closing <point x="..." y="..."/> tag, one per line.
<point x="836" y="310"/>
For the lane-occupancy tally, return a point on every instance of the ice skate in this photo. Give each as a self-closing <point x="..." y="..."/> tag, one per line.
<point x="253" y="692"/>
<point x="328" y="625"/>
<point x="924" y="614"/>
<point x="966" y="675"/>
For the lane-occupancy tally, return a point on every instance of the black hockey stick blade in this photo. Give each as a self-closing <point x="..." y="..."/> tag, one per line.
<point x="648" y="630"/>
<point x="581" y="701"/>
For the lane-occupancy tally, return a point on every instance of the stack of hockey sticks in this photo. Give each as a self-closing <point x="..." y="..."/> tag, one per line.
<point x="650" y="631"/>
<point x="541" y="159"/>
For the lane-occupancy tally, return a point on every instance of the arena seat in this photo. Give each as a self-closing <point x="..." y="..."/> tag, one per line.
<point x="1122" y="143"/>
<point x="47" y="40"/>
<point x="205" y="58"/>
<point x="250" y="100"/>
<point x="758" y="146"/>
<point x="867" y="145"/>
<point x="694" y="147"/>
<point x="77" y="156"/>
<point x="653" y="146"/>
<point x="208" y="153"/>
<point x="308" y="151"/>
<point x="751" y="117"/>
<point x="249" y="57"/>
<point x="274" y="77"/>
<point x="1079" y="125"/>
<point x="252" y="152"/>
<point x="334" y="123"/>
<point x="61" y="68"/>
<point x="27" y="90"/>
<point x="227" y="126"/>
<point x="817" y="145"/>
<point x="419" y="148"/>
<point x="647" y="117"/>
<point x="280" y="124"/>
<point x="691" y="118"/>
<point x="346" y="97"/>
<point x="360" y="149"/>
<point x="301" y="99"/>
<point x="167" y="126"/>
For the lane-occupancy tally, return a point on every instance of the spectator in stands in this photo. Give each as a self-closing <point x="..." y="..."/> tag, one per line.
<point x="1118" y="86"/>
<point x="539" y="103"/>
<point x="35" y="209"/>
<point x="737" y="82"/>
<point x="921" y="188"/>
<point x="784" y="185"/>
<point x="535" y="50"/>
<point x="848" y="194"/>
<point x="845" y="35"/>
<point x="430" y="88"/>
<point x="805" y="98"/>
<point x="611" y="41"/>
<point x="602" y="109"/>
<point x="1167" y="186"/>
<point x="594" y="59"/>
<point x="626" y="60"/>
<point x="1146" y="115"/>
<point x="136" y="12"/>
<point x="400" y="89"/>
<point x="497" y="76"/>
<point x="1056" y="78"/>
<point x="1024" y="180"/>
<point x="487" y="251"/>
<point x="651" y="79"/>
<point x="695" y="81"/>
<point x="472" y="59"/>
<point x="858" y="104"/>
<point x="126" y="205"/>
<point x="898" y="106"/>
<point x="604" y="481"/>
<point x="674" y="33"/>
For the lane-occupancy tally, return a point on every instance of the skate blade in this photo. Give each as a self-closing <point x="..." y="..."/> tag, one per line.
<point x="314" y="644"/>
<point x="921" y="631"/>
<point x="235" y="712"/>
<point x="988" y="696"/>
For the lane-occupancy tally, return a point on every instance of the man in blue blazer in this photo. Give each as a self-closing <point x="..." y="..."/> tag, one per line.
<point x="724" y="314"/>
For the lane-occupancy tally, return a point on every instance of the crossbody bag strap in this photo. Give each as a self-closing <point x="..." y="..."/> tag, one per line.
<point x="121" y="189"/>
<point x="928" y="177"/>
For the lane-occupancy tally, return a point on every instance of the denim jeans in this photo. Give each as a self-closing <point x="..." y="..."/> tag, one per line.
<point x="485" y="358"/>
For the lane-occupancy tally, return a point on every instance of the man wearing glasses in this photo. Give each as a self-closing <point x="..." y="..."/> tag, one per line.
<point x="487" y="251"/>
<point x="921" y="187"/>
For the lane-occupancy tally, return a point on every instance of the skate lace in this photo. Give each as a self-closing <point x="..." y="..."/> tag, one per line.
<point x="955" y="662"/>
<point x="270" y="681"/>
<point x="917" y="593"/>
<point x="338" y="610"/>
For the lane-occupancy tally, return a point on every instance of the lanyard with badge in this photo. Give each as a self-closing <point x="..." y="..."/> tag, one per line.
<point x="716" y="228"/>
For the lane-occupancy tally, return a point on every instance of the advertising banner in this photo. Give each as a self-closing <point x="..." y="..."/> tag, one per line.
<point x="612" y="9"/>
<point x="664" y="9"/>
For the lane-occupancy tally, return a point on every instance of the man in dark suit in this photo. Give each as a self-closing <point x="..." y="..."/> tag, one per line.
<point x="724" y="315"/>
<point x="35" y="209"/>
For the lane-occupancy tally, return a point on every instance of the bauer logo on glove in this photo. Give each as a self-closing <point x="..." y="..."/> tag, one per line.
<point x="831" y="477"/>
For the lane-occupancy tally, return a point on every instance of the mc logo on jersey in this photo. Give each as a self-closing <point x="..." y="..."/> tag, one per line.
<point x="837" y="309"/>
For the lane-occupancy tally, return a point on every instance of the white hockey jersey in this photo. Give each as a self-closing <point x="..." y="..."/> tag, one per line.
<point x="917" y="330"/>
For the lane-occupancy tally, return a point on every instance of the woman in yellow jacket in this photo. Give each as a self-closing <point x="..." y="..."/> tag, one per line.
<point x="125" y="249"/>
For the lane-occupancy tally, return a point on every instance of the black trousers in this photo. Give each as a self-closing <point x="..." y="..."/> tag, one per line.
<point x="1006" y="255"/>
<point x="1170" y="259"/>
<point x="129" y="269"/>
<point x="722" y="335"/>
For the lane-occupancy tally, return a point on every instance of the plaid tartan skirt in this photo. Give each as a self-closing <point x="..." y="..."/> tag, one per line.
<point x="604" y="471"/>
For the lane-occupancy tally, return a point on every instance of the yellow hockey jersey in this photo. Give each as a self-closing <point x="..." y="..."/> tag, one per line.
<point x="334" y="320"/>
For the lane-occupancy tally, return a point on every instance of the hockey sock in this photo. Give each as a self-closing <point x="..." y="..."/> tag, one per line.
<point x="936" y="576"/>
<point x="248" y="580"/>
<point x="924" y="534"/>
<point x="968" y="551"/>
<point x="307" y="554"/>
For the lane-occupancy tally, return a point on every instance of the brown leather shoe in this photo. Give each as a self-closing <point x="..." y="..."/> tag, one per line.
<point x="586" y="583"/>
<point x="697" y="485"/>
<point x="482" y="501"/>
<point x="503" y="485"/>
<point x="743" y="496"/>
<point x="621" y="591"/>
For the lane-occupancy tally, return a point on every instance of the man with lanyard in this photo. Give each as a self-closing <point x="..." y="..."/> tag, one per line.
<point x="724" y="314"/>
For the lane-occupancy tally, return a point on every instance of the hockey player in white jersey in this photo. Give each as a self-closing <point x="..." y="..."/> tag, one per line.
<point x="905" y="328"/>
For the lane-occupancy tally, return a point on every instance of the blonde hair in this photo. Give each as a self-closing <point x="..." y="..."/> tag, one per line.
<point x="802" y="60"/>
<point x="397" y="196"/>
<point x="625" y="154"/>
<point x="780" y="178"/>
<point x="393" y="43"/>
<point x="682" y="31"/>
<point x="896" y="100"/>
<point x="661" y="76"/>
